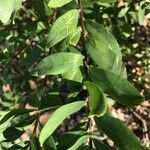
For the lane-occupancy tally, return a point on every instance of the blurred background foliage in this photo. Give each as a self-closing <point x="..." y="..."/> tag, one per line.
<point x="22" y="46"/>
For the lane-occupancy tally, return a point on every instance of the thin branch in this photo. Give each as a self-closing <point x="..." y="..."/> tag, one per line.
<point x="85" y="61"/>
<point x="86" y="69"/>
<point x="145" y="129"/>
<point x="11" y="61"/>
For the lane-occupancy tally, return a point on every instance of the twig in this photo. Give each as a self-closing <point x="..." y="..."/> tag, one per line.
<point x="145" y="129"/>
<point x="85" y="61"/>
<point x="11" y="61"/>
<point x="86" y="68"/>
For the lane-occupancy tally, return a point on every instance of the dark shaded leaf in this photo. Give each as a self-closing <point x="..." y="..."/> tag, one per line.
<point x="99" y="145"/>
<point x="67" y="139"/>
<point x="79" y="142"/>
<point x="23" y="120"/>
<point x="15" y="112"/>
<point x="118" y="88"/>
<point x="97" y="99"/>
<point x="49" y="144"/>
<point x="12" y="134"/>
<point x="118" y="132"/>
<point x="34" y="143"/>
<point x="50" y="100"/>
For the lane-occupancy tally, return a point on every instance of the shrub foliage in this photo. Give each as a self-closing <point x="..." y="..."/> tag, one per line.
<point x="59" y="58"/>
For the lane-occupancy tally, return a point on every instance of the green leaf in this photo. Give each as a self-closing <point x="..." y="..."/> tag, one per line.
<point x="97" y="99"/>
<point x="141" y="16"/>
<point x="23" y="120"/>
<point x="49" y="144"/>
<point x="99" y="33"/>
<point x="74" y="36"/>
<point x="123" y="12"/>
<point x="7" y="7"/>
<point x="59" y="63"/>
<point x="100" y="146"/>
<point x="62" y="27"/>
<point x="79" y="142"/>
<point x="118" y="132"/>
<point x="58" y="117"/>
<point x="104" y="49"/>
<point x="50" y="100"/>
<point x="17" y="4"/>
<point x="107" y="1"/>
<point x="15" y="112"/>
<point x="34" y="143"/>
<point x="74" y="75"/>
<point x="67" y="139"/>
<point x="58" y="3"/>
<point x="118" y="88"/>
<point x="11" y="133"/>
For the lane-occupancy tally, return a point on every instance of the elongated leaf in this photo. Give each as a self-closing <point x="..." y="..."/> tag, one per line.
<point x="34" y="144"/>
<point x="104" y="49"/>
<point x="118" y="88"/>
<point x="51" y="100"/>
<point x="74" y="75"/>
<point x="123" y="12"/>
<point x="58" y="3"/>
<point x="79" y="142"/>
<point x="23" y="120"/>
<point x="62" y="27"/>
<point x="97" y="99"/>
<point x="15" y="112"/>
<point x="11" y="133"/>
<point x="49" y="144"/>
<point x="107" y="1"/>
<point x="74" y="36"/>
<point x="7" y="7"/>
<point x="57" y="118"/>
<point x="99" y="33"/>
<point x="100" y="146"/>
<point x="141" y="16"/>
<point x="69" y="138"/>
<point x="59" y="63"/>
<point x="118" y="132"/>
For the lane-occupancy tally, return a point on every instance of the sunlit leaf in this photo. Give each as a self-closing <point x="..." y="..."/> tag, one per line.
<point x="7" y="7"/>
<point x="59" y="63"/>
<point x="107" y="1"/>
<point x="74" y="36"/>
<point x="62" y="27"/>
<point x="123" y="12"/>
<point x="58" y="3"/>
<point x="104" y="49"/>
<point x="58" y="117"/>
<point x="74" y="75"/>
